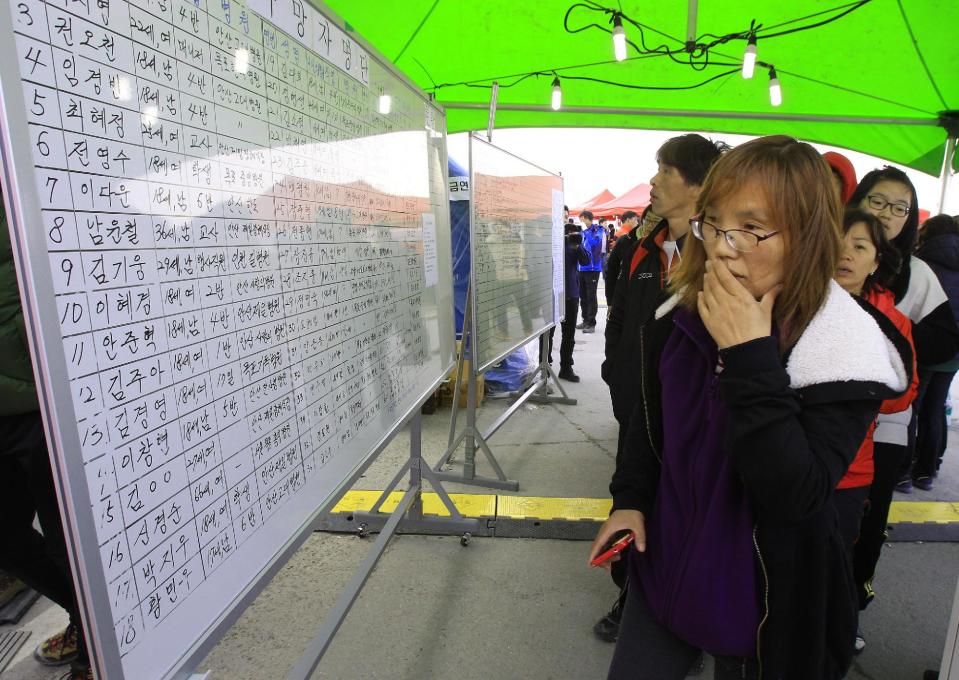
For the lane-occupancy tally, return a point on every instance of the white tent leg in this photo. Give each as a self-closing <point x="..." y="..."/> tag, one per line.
<point x="946" y="172"/>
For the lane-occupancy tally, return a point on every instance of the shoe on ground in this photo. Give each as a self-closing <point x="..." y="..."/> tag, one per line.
<point x="58" y="649"/>
<point x="10" y="587"/>
<point x="580" y="326"/>
<point x="567" y="374"/>
<point x="904" y="485"/>
<point x="78" y="675"/>
<point x="924" y="483"/>
<point x="860" y="643"/>
<point x="607" y="628"/>
<point x="589" y="329"/>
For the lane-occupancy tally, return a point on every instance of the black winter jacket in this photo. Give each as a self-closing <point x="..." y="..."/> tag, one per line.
<point x="617" y="264"/>
<point x="791" y="439"/>
<point x="941" y="253"/>
<point x="638" y="293"/>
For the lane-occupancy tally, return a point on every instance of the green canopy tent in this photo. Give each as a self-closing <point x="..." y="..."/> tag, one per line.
<point x="883" y="79"/>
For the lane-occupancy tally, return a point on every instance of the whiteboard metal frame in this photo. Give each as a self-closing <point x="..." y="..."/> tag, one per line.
<point x="52" y="380"/>
<point x="475" y="367"/>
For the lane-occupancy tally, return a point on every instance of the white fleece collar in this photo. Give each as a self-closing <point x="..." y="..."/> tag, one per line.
<point x="667" y="306"/>
<point x="842" y="343"/>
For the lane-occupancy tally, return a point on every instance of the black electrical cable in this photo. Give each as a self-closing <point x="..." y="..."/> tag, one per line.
<point x="695" y="55"/>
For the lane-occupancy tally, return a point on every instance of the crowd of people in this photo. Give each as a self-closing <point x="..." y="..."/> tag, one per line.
<point x="780" y="343"/>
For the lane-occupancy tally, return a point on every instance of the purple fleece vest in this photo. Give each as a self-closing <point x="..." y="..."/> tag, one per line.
<point x="699" y="574"/>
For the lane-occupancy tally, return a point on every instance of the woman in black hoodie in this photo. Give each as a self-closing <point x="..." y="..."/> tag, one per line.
<point x="889" y="194"/>
<point x="939" y="248"/>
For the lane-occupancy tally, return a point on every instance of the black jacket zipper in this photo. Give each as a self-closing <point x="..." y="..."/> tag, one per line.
<point x="759" y="631"/>
<point x="642" y="384"/>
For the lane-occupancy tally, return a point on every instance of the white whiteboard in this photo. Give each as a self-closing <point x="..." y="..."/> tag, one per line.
<point x="235" y="259"/>
<point x="513" y="229"/>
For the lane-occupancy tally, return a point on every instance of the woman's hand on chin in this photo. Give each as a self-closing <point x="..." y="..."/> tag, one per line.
<point x="730" y="313"/>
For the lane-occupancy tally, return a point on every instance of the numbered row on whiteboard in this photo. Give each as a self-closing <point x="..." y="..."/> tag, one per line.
<point x="187" y="29"/>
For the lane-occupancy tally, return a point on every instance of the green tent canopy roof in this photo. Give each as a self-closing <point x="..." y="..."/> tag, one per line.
<point x="861" y="82"/>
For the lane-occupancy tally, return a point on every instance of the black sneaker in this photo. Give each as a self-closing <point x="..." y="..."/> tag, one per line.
<point x="589" y="329"/>
<point x="607" y="628"/>
<point x="566" y="373"/>
<point x="580" y="326"/>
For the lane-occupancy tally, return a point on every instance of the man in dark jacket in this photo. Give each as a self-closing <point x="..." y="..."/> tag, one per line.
<point x="574" y="255"/>
<point x="26" y="481"/>
<point x="683" y="163"/>
<point x="620" y="252"/>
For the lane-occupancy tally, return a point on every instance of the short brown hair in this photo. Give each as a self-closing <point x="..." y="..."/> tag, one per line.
<point x="801" y="202"/>
<point x="692" y="155"/>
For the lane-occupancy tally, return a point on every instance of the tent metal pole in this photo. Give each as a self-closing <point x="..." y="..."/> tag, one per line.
<point x="492" y="112"/>
<point x="946" y="171"/>
<point x="691" y="23"/>
<point x="609" y="111"/>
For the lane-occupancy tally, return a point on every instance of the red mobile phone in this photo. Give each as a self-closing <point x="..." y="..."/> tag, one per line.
<point x="615" y="547"/>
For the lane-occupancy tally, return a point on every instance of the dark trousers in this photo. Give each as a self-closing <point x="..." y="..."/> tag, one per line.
<point x="588" y="283"/>
<point x="568" y="328"/>
<point x="932" y="427"/>
<point x="647" y="651"/>
<point x="887" y="460"/>
<point x="26" y="491"/>
<point x="850" y="505"/>
<point x="568" y="340"/>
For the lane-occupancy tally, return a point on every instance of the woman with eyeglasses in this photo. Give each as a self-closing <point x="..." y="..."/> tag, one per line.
<point x="760" y="377"/>
<point x="888" y="194"/>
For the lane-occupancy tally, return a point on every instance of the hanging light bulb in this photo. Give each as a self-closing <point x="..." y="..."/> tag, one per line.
<point x="557" y="94"/>
<point x="749" y="58"/>
<point x="775" y="91"/>
<point x="386" y="104"/>
<point x="619" y="38"/>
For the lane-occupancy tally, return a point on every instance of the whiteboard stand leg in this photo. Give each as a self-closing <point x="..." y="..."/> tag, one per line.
<point x="458" y="383"/>
<point x="542" y="395"/>
<point x="334" y="619"/>
<point x="465" y="341"/>
<point x="471" y="435"/>
<point x="416" y="522"/>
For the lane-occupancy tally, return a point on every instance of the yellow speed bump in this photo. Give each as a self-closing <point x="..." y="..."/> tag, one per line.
<point x="923" y="512"/>
<point x="591" y="509"/>
<point x="469" y="505"/>
<point x="542" y="507"/>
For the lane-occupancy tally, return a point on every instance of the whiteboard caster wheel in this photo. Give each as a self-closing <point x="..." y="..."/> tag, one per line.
<point x="363" y="530"/>
<point x="465" y="539"/>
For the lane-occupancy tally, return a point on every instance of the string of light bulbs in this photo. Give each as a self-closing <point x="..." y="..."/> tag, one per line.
<point x="693" y="53"/>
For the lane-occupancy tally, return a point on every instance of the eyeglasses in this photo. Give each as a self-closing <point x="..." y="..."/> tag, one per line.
<point x="879" y="203"/>
<point x="737" y="239"/>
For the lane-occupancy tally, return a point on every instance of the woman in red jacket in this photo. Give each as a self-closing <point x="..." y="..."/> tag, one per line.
<point x="867" y="264"/>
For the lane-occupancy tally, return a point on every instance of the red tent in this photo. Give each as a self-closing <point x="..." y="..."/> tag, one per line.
<point x="635" y="199"/>
<point x="601" y="197"/>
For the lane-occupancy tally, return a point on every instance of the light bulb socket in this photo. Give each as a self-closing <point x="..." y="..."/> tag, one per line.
<point x="556" y="82"/>
<point x="617" y="21"/>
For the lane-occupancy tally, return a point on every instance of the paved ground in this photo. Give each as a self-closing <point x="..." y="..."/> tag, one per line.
<point x="517" y="608"/>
